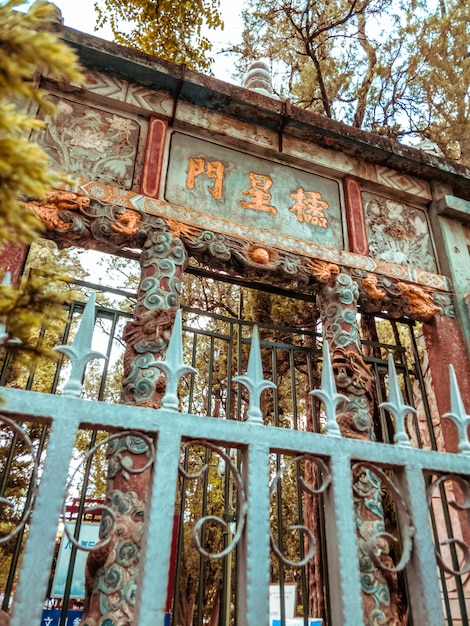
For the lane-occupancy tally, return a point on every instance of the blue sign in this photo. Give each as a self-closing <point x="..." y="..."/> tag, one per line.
<point x="253" y="192"/>
<point x="298" y="621"/>
<point x="51" y="617"/>
<point x="89" y="534"/>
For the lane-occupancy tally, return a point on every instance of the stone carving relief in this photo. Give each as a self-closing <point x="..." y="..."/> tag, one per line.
<point x="419" y="302"/>
<point x="399" y="299"/>
<point x="74" y="219"/>
<point x="398" y="233"/>
<point x="147" y="335"/>
<point x="85" y="141"/>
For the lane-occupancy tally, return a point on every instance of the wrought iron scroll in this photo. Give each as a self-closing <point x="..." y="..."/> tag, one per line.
<point x="242" y="504"/>
<point x="5" y="502"/>
<point x="116" y="444"/>
<point x="464" y="484"/>
<point x="306" y="488"/>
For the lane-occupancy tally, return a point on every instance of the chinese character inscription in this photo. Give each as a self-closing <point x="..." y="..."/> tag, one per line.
<point x="252" y="192"/>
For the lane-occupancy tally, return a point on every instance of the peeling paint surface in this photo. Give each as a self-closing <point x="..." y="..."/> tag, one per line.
<point x="253" y="192"/>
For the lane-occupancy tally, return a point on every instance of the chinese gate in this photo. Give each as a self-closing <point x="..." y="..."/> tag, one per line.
<point x="313" y="454"/>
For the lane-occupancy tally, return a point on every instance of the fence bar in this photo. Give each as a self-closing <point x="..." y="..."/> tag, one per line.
<point x="424" y="591"/>
<point x="253" y="554"/>
<point x="40" y="544"/>
<point x="157" y="540"/>
<point x="342" y="551"/>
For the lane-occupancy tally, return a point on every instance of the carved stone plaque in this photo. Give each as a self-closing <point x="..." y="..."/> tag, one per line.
<point x="398" y="233"/>
<point x="253" y="192"/>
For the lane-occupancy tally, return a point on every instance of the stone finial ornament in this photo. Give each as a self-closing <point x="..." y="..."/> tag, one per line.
<point x="258" y="78"/>
<point x="426" y="145"/>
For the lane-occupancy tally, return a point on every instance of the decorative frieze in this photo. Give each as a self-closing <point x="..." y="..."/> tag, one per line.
<point x="74" y="219"/>
<point x="78" y="220"/>
<point x="253" y="236"/>
<point x="86" y="141"/>
<point x="403" y="183"/>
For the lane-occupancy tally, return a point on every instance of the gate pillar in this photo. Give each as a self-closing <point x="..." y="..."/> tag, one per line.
<point x="112" y="571"/>
<point x="337" y="302"/>
<point x="162" y="261"/>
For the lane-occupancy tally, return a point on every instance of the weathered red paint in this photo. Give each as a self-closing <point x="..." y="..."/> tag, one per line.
<point x="355" y="216"/>
<point x="151" y="171"/>
<point x="444" y="344"/>
<point x="12" y="259"/>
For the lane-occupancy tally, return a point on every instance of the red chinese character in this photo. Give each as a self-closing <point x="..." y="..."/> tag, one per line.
<point x="310" y="207"/>
<point x="212" y="169"/>
<point x="259" y="194"/>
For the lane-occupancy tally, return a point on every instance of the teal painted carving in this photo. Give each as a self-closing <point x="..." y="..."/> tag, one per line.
<point x="147" y="335"/>
<point x="73" y="219"/>
<point x="213" y="243"/>
<point x="398" y="233"/>
<point x="162" y="289"/>
<point x="111" y="576"/>
<point x="112" y="565"/>
<point x="114" y="575"/>
<point x="337" y="302"/>
<point x="121" y="455"/>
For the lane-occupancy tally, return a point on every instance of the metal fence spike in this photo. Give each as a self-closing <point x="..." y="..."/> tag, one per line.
<point x="327" y="394"/>
<point x="458" y="414"/>
<point x="173" y="367"/>
<point x="254" y="381"/>
<point x="5" y="339"/>
<point x="6" y="280"/>
<point x="396" y="406"/>
<point x="80" y="351"/>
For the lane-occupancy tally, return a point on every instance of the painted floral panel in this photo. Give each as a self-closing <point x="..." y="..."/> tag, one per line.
<point x="83" y="141"/>
<point x="398" y="233"/>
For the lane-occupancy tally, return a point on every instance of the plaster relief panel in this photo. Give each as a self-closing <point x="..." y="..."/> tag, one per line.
<point x="398" y="233"/>
<point x="84" y="141"/>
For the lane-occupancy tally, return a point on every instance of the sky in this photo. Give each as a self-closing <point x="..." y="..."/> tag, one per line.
<point x="80" y="14"/>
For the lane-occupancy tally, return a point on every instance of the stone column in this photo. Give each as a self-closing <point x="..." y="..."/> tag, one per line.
<point x="337" y="302"/>
<point x="147" y="335"/>
<point x="111" y="576"/>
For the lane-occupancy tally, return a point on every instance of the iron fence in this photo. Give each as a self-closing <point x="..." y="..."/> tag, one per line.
<point x="254" y="482"/>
